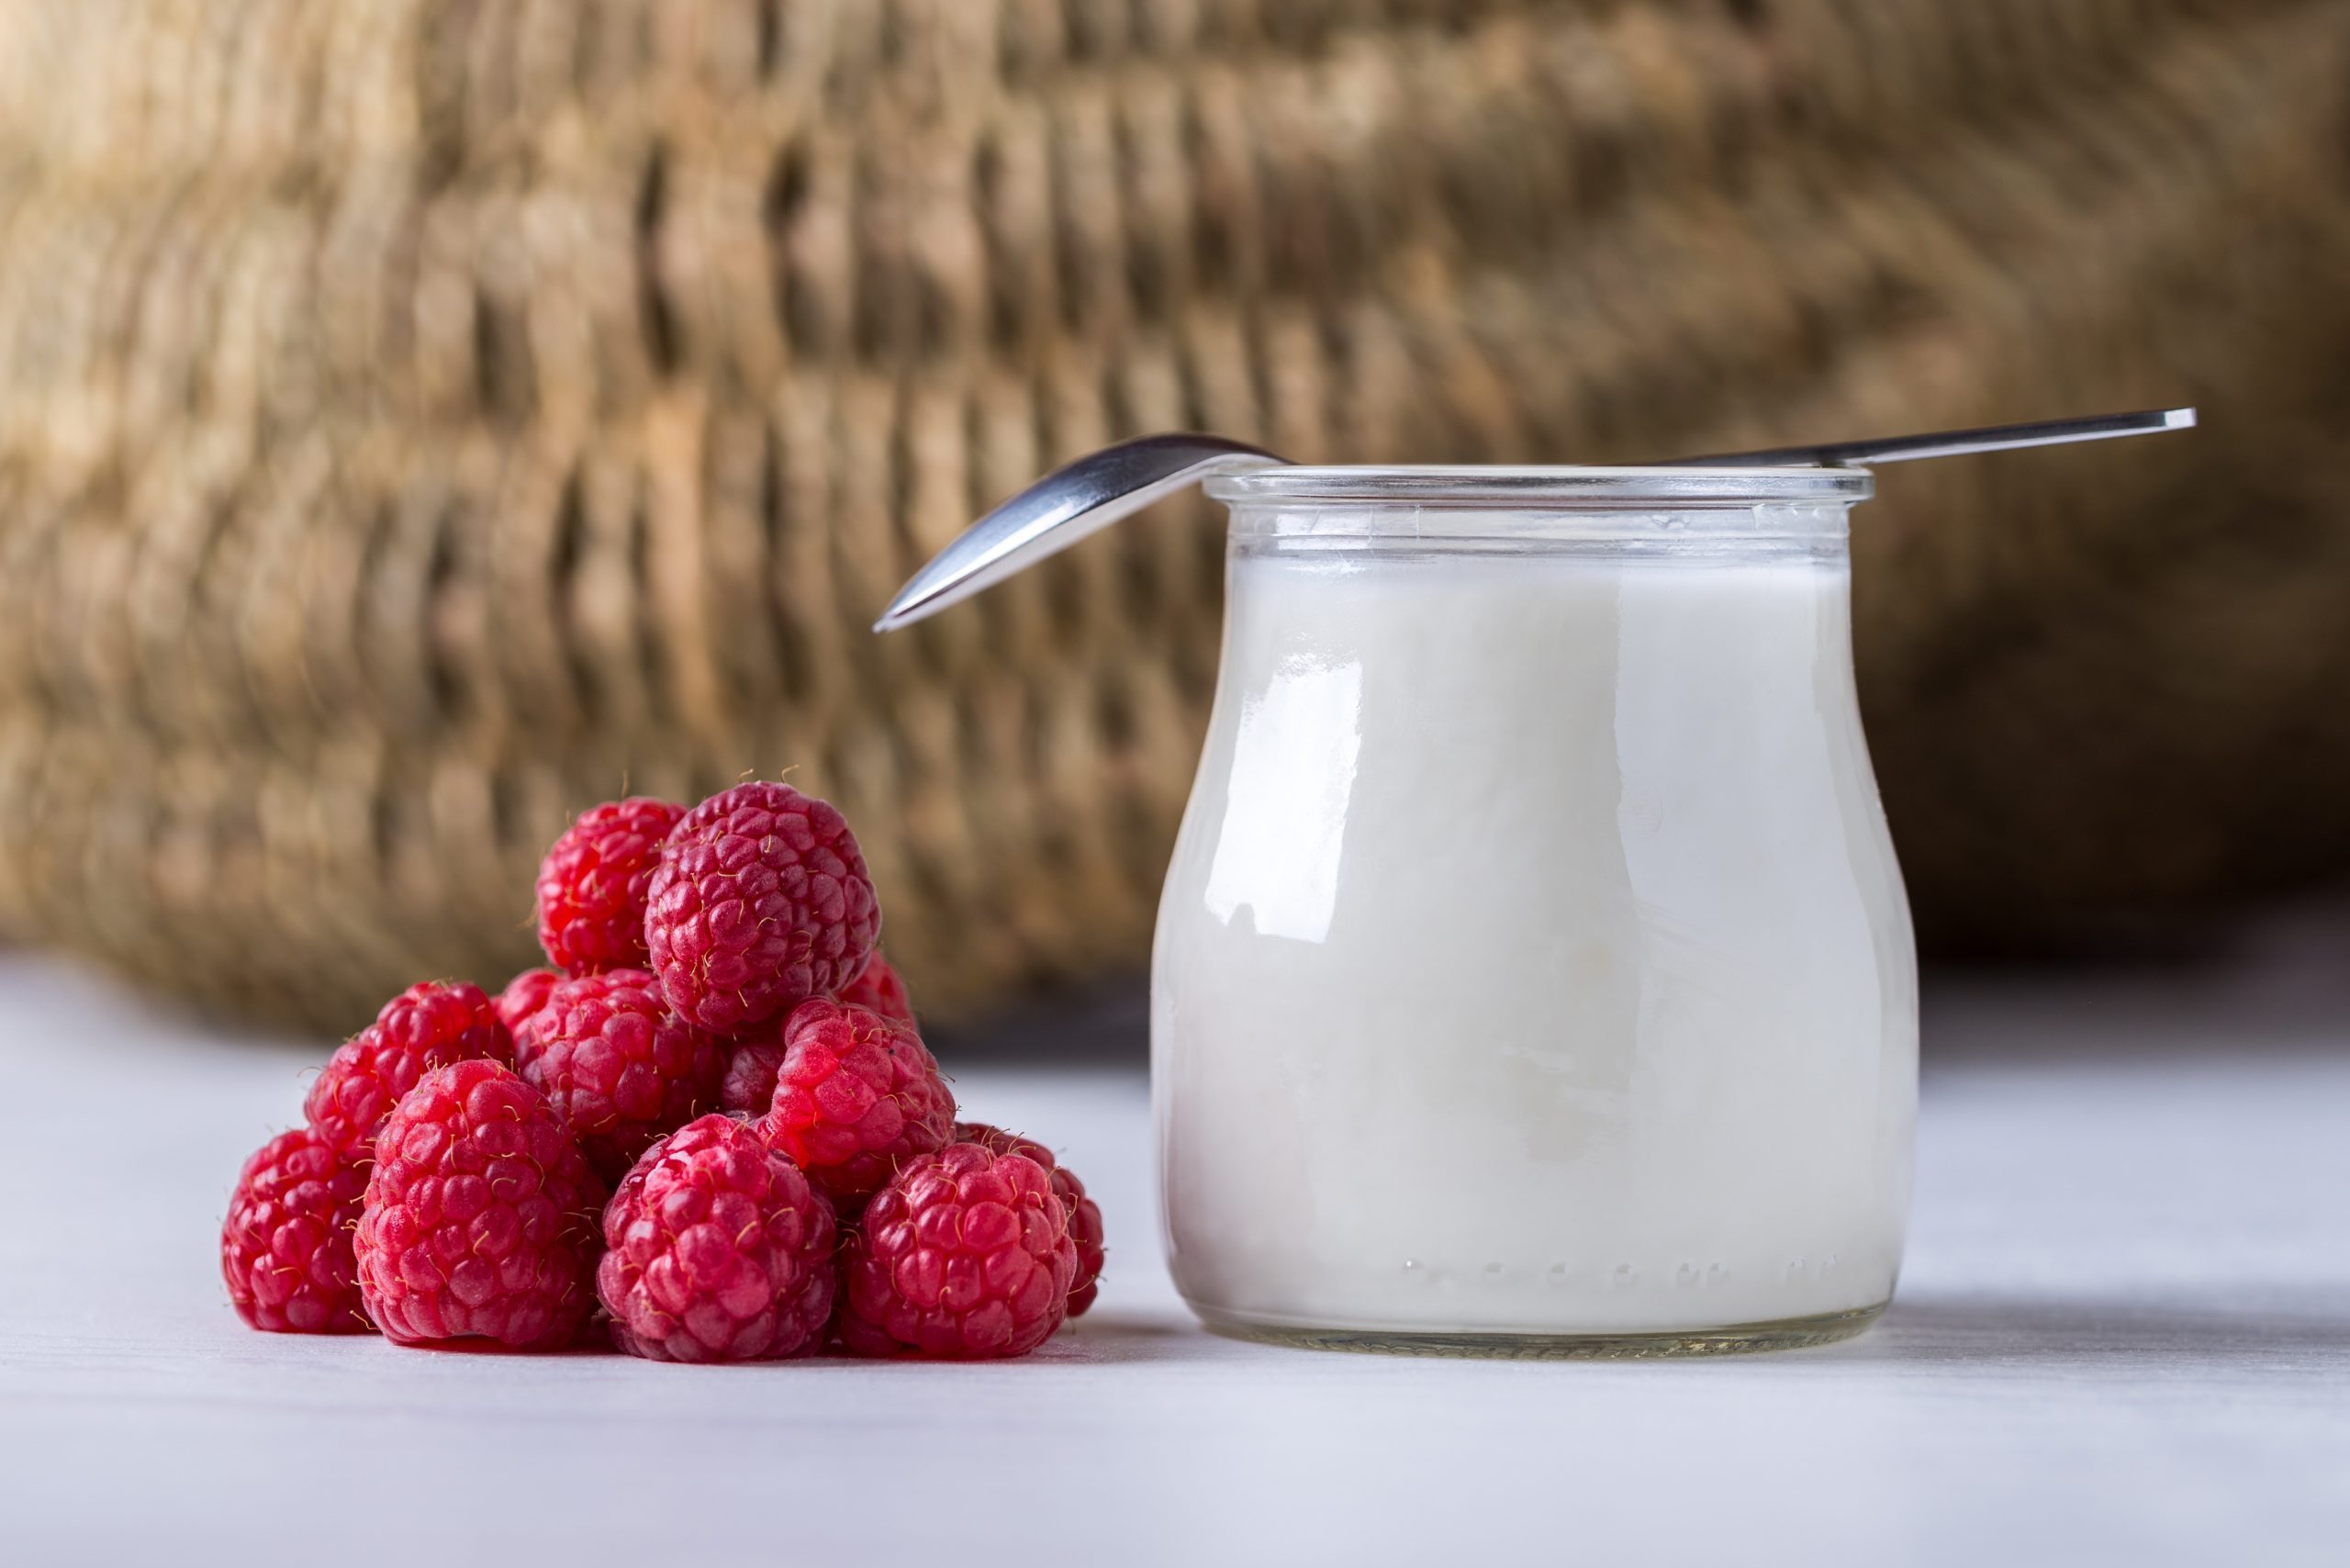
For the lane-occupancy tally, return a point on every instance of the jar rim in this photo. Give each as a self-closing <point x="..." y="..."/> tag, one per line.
<point x="1565" y="487"/>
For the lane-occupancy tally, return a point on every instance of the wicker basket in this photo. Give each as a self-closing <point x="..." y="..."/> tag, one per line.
<point x="421" y="418"/>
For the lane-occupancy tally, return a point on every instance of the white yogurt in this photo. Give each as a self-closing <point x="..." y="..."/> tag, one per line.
<point x="1534" y="959"/>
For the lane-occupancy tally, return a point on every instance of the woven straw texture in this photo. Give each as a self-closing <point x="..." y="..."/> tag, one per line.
<point x="418" y="417"/>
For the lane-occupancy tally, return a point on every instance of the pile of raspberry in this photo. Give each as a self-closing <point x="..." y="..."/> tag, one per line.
<point x="710" y="1132"/>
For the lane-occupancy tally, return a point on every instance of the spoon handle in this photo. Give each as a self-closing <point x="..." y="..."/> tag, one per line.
<point x="1949" y="443"/>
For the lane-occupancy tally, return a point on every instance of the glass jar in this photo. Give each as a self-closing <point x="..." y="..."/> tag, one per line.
<point x="1534" y="973"/>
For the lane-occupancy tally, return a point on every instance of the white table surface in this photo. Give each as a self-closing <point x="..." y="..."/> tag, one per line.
<point x="2123" y="1336"/>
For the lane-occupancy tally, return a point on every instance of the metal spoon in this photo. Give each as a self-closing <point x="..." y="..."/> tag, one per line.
<point x="1098" y="489"/>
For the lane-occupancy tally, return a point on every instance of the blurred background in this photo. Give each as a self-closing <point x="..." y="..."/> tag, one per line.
<point x="422" y="419"/>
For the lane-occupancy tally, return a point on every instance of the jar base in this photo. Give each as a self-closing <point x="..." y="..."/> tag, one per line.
<point x="1787" y="1334"/>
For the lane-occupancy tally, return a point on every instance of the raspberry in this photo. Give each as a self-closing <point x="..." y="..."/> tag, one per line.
<point x="749" y="1084"/>
<point x="964" y="1255"/>
<point x="760" y="901"/>
<point x="1084" y="1214"/>
<point x="523" y="996"/>
<point x="424" y="1027"/>
<point x="750" y="1076"/>
<point x="878" y="990"/>
<point x="618" y="1066"/>
<point x="480" y="1218"/>
<point x="286" y="1247"/>
<point x="719" y="1250"/>
<point x="592" y="885"/>
<point x="858" y="1095"/>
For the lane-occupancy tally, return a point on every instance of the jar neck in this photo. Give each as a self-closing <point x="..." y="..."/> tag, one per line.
<point x="1724" y="534"/>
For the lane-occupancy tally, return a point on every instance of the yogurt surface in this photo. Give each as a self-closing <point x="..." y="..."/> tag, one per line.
<point x="1534" y="959"/>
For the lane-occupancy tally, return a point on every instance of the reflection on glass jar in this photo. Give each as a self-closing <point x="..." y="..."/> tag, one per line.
<point x="1534" y="972"/>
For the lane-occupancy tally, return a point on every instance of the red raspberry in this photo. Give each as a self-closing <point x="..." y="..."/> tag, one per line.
<point x="424" y="1027"/>
<point x="750" y="1075"/>
<point x="749" y="1084"/>
<point x="1084" y="1214"/>
<point x="619" y="1067"/>
<point x="718" y="1251"/>
<point x="965" y="1255"/>
<point x="523" y="996"/>
<point x="286" y="1247"/>
<point x="760" y="901"/>
<point x="878" y="990"/>
<point x="592" y="885"/>
<point x="857" y="1096"/>
<point x="480" y="1218"/>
